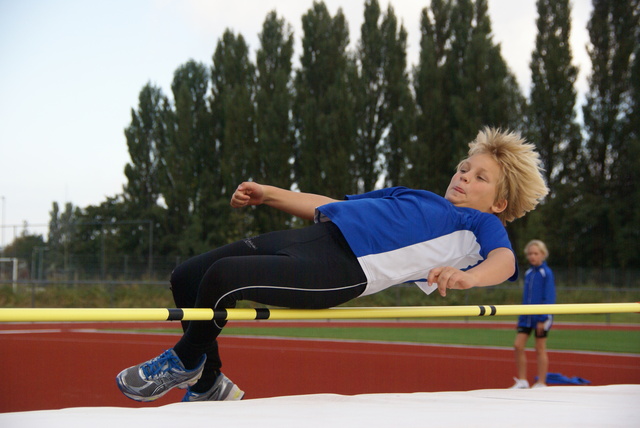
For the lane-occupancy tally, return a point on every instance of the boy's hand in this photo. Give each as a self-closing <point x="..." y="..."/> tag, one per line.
<point x="450" y="277"/>
<point x="247" y="193"/>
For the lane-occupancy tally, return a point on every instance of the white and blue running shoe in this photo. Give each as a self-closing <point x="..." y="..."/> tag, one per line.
<point x="222" y="390"/>
<point x="154" y="378"/>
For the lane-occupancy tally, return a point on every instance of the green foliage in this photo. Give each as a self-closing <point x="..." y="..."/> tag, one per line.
<point x="384" y="105"/>
<point x="187" y="155"/>
<point x="145" y="138"/>
<point x="551" y="124"/>
<point x="462" y="83"/>
<point x="98" y="295"/>
<point x="55" y="296"/>
<point x="614" y="30"/>
<point x="551" y="117"/>
<point x="324" y="106"/>
<point x="24" y="246"/>
<point x="140" y="296"/>
<point x="274" y="127"/>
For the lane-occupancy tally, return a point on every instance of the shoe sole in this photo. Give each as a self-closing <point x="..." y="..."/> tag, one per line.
<point x="235" y="394"/>
<point x="143" y="399"/>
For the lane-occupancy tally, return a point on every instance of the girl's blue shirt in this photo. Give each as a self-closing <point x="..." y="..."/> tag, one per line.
<point x="539" y="289"/>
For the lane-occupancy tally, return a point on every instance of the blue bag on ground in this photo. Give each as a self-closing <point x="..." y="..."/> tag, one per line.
<point x="560" y="379"/>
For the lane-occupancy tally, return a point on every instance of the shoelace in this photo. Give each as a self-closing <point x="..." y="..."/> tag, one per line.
<point x="160" y="364"/>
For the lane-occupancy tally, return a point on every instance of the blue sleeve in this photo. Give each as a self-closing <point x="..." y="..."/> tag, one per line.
<point x="492" y="235"/>
<point x="549" y="288"/>
<point x="380" y="193"/>
<point x="548" y="291"/>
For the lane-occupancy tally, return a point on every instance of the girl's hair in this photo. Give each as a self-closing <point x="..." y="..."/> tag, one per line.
<point x="521" y="183"/>
<point x="538" y="243"/>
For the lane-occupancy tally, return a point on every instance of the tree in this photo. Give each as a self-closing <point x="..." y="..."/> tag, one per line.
<point x="384" y="103"/>
<point x="462" y="83"/>
<point x="189" y="153"/>
<point x="487" y="94"/>
<point x="61" y="235"/>
<point x="551" y="116"/>
<point x="233" y="114"/>
<point x="145" y="135"/>
<point x="97" y="244"/>
<point x="146" y="174"/>
<point x="25" y="247"/>
<point x="628" y="208"/>
<point x="232" y="79"/>
<point x="324" y="106"/>
<point x="613" y="31"/>
<point x="552" y="126"/>
<point x="430" y="156"/>
<point x="274" y="100"/>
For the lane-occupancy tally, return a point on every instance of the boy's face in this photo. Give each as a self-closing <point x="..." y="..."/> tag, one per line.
<point x="475" y="185"/>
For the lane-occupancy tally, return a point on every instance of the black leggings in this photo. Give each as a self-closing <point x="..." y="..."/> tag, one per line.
<point x="309" y="268"/>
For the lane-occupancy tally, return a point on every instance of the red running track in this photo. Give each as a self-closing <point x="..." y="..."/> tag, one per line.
<point x="58" y="366"/>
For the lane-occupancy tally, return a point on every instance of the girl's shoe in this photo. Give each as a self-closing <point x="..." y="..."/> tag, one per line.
<point x="520" y="384"/>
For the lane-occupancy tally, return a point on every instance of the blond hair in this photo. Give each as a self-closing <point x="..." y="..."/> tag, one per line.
<point x="521" y="183"/>
<point x="538" y="243"/>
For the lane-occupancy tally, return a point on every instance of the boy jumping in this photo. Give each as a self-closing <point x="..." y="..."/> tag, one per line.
<point x="356" y="247"/>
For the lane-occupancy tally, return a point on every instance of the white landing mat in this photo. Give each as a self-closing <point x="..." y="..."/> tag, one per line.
<point x="557" y="406"/>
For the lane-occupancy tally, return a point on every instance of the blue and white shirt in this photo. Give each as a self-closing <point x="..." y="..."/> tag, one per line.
<point x="400" y="234"/>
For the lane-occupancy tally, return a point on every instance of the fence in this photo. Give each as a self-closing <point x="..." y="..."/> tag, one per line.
<point x="76" y="267"/>
<point x="155" y="293"/>
<point x="96" y="267"/>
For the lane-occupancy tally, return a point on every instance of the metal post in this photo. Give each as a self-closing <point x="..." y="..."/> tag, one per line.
<point x="15" y="275"/>
<point x="150" y="248"/>
<point x="33" y="263"/>
<point x="41" y="265"/>
<point x="102" y="259"/>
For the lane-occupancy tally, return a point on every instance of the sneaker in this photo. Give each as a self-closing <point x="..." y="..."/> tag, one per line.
<point x="520" y="384"/>
<point x="222" y="390"/>
<point x="152" y="379"/>
<point x="539" y="385"/>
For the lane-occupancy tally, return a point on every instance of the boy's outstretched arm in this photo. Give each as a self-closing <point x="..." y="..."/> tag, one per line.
<point x="497" y="268"/>
<point x="299" y="204"/>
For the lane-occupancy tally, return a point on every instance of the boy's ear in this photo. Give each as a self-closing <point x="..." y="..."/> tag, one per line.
<point x="499" y="206"/>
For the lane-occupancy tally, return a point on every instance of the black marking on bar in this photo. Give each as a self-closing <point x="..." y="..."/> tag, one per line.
<point x="175" y="314"/>
<point x="482" y="310"/>
<point x="220" y="314"/>
<point x="493" y="310"/>
<point x="262" y="313"/>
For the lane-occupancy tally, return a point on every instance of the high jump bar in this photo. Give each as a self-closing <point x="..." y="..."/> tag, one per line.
<point x="201" y="314"/>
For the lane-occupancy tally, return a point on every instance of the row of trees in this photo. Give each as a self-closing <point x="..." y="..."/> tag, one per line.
<point x="346" y="121"/>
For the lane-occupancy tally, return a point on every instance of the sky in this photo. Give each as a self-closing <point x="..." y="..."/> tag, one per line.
<point x="72" y="70"/>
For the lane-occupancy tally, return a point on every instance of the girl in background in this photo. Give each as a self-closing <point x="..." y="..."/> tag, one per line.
<point x="539" y="288"/>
